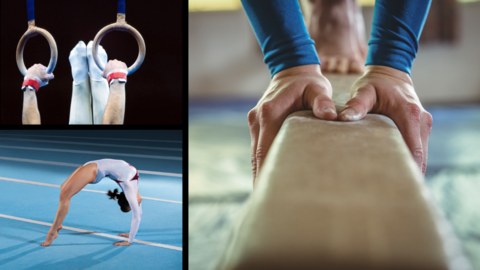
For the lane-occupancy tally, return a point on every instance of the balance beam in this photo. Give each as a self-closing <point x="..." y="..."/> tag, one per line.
<point x="338" y="195"/>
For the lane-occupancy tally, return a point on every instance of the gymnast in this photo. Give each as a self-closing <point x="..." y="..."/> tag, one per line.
<point x="93" y="172"/>
<point x="91" y="90"/>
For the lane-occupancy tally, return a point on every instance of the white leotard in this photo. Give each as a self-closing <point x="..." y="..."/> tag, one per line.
<point x="122" y="173"/>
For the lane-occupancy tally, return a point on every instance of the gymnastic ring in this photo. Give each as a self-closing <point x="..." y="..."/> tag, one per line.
<point x="31" y="32"/>
<point x="120" y="25"/>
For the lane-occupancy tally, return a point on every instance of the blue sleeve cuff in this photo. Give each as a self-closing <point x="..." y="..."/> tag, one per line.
<point x="390" y="56"/>
<point x="290" y="56"/>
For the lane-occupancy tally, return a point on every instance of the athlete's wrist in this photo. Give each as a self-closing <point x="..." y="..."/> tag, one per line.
<point x="389" y="71"/>
<point x="305" y="69"/>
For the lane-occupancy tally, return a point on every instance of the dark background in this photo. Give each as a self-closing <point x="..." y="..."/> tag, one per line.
<point x="154" y="91"/>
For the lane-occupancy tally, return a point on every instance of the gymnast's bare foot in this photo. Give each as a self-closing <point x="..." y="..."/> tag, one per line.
<point x="59" y="228"/>
<point x="50" y="237"/>
<point x="338" y="30"/>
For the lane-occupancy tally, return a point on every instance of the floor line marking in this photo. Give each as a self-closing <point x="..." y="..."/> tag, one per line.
<point x="94" y="138"/>
<point x="92" y="232"/>
<point x="90" y="152"/>
<point x="78" y="165"/>
<point x="97" y="144"/>
<point x="89" y="190"/>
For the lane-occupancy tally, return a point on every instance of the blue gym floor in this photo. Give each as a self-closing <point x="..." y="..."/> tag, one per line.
<point x="49" y="157"/>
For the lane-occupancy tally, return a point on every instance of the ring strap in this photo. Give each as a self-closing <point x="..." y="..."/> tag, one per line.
<point x="31" y="10"/>
<point x="121" y="6"/>
<point x="117" y="75"/>
<point x="33" y="83"/>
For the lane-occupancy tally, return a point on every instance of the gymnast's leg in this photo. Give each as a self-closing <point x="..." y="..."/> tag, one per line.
<point x="81" y="106"/>
<point x="98" y="84"/>
<point x="76" y="182"/>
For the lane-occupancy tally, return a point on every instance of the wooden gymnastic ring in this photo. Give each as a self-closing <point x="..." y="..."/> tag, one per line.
<point x="120" y="25"/>
<point x="31" y="32"/>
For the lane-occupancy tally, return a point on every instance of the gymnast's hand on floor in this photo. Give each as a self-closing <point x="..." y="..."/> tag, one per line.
<point x="290" y="90"/>
<point x="124" y="235"/>
<point x="390" y="92"/>
<point x="122" y="243"/>
<point x="114" y="66"/>
<point x="37" y="72"/>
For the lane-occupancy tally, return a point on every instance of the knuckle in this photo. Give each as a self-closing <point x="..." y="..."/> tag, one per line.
<point x="252" y="116"/>
<point x="428" y="120"/>
<point x="260" y="153"/>
<point x="424" y="167"/>
<point x="323" y="99"/>
<point x="417" y="153"/>
<point x="266" y="109"/>
<point x="415" y="111"/>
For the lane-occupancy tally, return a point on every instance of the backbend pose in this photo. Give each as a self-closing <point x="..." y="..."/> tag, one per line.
<point x="93" y="172"/>
<point x="90" y="90"/>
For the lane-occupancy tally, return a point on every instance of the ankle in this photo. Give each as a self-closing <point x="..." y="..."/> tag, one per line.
<point x="335" y="13"/>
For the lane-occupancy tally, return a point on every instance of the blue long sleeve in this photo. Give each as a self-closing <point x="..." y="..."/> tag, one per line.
<point x="396" y="28"/>
<point x="281" y="32"/>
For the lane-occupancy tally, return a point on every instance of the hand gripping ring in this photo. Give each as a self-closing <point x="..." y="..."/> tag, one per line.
<point x="120" y="25"/>
<point x="31" y="32"/>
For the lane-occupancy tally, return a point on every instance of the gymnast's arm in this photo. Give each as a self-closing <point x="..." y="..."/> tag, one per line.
<point x="386" y="87"/>
<point x="31" y="114"/>
<point x="297" y="82"/>
<point x="130" y="189"/>
<point x="115" y="109"/>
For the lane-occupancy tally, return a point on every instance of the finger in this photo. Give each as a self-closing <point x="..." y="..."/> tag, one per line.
<point x="408" y="122"/>
<point x="270" y="122"/>
<point x="318" y="98"/>
<point x="425" y="129"/>
<point x="359" y="105"/>
<point x="331" y="64"/>
<point x="356" y="67"/>
<point x="342" y="66"/>
<point x="254" y="130"/>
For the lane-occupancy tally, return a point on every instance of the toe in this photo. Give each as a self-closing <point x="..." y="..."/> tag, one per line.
<point x="356" y="67"/>
<point x="342" y="66"/>
<point x="331" y="64"/>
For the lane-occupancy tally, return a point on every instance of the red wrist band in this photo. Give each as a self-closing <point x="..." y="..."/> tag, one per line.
<point x="117" y="75"/>
<point x="33" y="83"/>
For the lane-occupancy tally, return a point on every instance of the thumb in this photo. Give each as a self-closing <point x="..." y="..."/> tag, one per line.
<point x="49" y="77"/>
<point x="359" y="105"/>
<point x="316" y="97"/>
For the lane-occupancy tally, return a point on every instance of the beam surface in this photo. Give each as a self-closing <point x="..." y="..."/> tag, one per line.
<point x="337" y="195"/>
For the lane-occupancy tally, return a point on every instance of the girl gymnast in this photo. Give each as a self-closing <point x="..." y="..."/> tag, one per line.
<point x="93" y="172"/>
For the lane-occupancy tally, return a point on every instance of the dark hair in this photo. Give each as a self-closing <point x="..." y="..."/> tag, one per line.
<point x="122" y="200"/>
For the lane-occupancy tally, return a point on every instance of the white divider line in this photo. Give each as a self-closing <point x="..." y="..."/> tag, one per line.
<point x="92" y="232"/>
<point x="90" y="152"/>
<point x="78" y="165"/>
<point x="95" y="144"/>
<point x="89" y="190"/>
<point x="93" y="138"/>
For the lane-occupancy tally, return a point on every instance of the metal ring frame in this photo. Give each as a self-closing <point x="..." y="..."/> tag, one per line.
<point x="120" y="25"/>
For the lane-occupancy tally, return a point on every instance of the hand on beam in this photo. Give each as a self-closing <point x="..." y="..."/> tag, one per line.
<point x="388" y="91"/>
<point x="294" y="89"/>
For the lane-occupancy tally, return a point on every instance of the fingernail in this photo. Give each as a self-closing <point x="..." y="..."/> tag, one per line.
<point x="328" y="110"/>
<point x="349" y="114"/>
